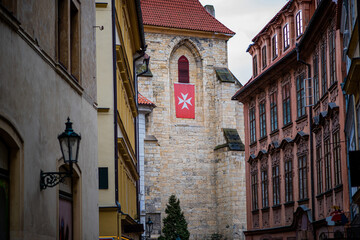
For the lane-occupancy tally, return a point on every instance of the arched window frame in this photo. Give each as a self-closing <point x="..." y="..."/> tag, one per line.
<point x="183" y="70"/>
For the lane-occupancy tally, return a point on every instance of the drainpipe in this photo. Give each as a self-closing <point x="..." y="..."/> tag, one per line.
<point x="115" y="101"/>
<point x="311" y="143"/>
<point x="136" y="75"/>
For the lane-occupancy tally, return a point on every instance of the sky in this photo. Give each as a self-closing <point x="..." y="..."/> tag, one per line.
<point x="246" y="18"/>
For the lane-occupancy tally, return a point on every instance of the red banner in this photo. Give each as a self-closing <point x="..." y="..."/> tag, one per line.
<point x="184" y="100"/>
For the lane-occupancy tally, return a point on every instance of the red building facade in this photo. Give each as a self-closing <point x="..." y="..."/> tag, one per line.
<point x="294" y="124"/>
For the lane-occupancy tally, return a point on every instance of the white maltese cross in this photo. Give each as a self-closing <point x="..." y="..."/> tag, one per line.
<point x="184" y="101"/>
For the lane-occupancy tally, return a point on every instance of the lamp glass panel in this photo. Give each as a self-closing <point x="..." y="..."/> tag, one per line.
<point x="65" y="148"/>
<point x="73" y="148"/>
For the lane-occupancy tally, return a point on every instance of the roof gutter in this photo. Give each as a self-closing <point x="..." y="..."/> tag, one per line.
<point x="140" y="23"/>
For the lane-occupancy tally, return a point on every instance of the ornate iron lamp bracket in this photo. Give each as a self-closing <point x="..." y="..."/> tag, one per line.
<point x="51" y="179"/>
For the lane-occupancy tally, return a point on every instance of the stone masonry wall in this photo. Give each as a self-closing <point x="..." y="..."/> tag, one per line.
<point x="182" y="161"/>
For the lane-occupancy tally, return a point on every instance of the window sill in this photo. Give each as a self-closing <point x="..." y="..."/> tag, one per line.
<point x="274" y="132"/>
<point x="324" y="96"/>
<point x="253" y="143"/>
<point x="301" y="201"/>
<point x="275" y="57"/>
<point x="255" y="211"/>
<point x="288" y="125"/>
<point x="338" y="188"/>
<point x="265" y="209"/>
<point x="320" y="196"/>
<point x="333" y="86"/>
<point x="288" y="204"/>
<point x="277" y="206"/>
<point x="328" y="192"/>
<point x="286" y="48"/>
<point x="302" y="118"/>
<point x="264" y="67"/>
<point x="316" y="105"/>
<point x="298" y="37"/>
<point x="263" y="138"/>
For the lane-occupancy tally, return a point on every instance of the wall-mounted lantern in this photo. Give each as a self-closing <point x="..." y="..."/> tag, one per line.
<point x="69" y="145"/>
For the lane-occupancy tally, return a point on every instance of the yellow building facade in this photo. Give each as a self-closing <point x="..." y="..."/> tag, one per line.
<point x="120" y="44"/>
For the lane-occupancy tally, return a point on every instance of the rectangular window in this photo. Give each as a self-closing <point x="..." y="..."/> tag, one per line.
<point x="254" y="191"/>
<point x="316" y="79"/>
<point x="263" y="57"/>
<point x="286" y="36"/>
<point x="274" y="44"/>
<point x="252" y="125"/>
<point x="300" y="95"/>
<point x="332" y="57"/>
<point x="262" y="115"/>
<point x="255" y="71"/>
<point x="286" y="103"/>
<point x="324" y="86"/>
<point x="319" y="169"/>
<point x="264" y="189"/>
<point x="288" y="182"/>
<point x="299" y="26"/>
<point x="336" y="154"/>
<point x="276" y="184"/>
<point x="273" y="111"/>
<point x="103" y="178"/>
<point x="327" y="159"/>
<point x="302" y="177"/>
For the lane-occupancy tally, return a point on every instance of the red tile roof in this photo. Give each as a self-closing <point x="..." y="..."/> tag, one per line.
<point x="184" y="14"/>
<point x="144" y="101"/>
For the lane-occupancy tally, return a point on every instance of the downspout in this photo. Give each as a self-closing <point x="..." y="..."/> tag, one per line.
<point x="115" y="101"/>
<point x="136" y="75"/>
<point x="311" y="143"/>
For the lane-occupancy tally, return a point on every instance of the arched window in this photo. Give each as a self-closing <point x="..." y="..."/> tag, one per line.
<point x="183" y="67"/>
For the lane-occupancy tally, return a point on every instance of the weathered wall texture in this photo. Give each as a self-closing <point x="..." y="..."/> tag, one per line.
<point x="36" y="97"/>
<point x="181" y="158"/>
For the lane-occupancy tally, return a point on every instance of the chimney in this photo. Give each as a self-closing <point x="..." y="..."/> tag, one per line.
<point x="210" y="9"/>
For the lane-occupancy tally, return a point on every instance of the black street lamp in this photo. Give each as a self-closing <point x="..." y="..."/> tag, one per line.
<point x="149" y="227"/>
<point x="69" y="145"/>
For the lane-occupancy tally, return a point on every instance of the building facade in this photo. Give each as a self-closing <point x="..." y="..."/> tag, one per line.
<point x="48" y="73"/>
<point x="120" y="44"/>
<point x="193" y="151"/>
<point x="297" y="178"/>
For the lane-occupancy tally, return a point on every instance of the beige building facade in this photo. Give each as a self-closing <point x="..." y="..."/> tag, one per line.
<point x="47" y="75"/>
<point x="200" y="160"/>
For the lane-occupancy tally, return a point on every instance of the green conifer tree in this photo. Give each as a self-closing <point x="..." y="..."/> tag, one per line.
<point x="175" y="225"/>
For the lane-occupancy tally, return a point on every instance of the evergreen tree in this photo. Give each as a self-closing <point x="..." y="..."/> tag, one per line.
<point x="175" y="225"/>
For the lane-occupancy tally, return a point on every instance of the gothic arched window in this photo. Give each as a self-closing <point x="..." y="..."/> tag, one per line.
<point x="183" y="67"/>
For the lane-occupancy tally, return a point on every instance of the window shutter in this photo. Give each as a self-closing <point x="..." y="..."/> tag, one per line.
<point x="103" y="178"/>
<point x="183" y="67"/>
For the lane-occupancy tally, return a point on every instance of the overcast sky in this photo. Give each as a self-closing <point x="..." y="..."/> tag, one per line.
<point x="246" y="18"/>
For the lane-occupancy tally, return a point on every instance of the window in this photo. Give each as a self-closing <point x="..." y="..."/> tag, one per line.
<point x="273" y="111"/>
<point x="65" y="208"/>
<point x="300" y="95"/>
<point x="288" y="181"/>
<point x="254" y="191"/>
<point x="183" y="68"/>
<point x="276" y="184"/>
<point x="336" y="154"/>
<point x="103" y="178"/>
<point x="323" y="69"/>
<point x="332" y="56"/>
<point x="286" y="36"/>
<point x="263" y="56"/>
<point x="286" y="104"/>
<point x="255" y="71"/>
<point x="299" y="26"/>
<point x="252" y="125"/>
<point x="274" y="46"/>
<point x="4" y="192"/>
<point x="319" y="169"/>
<point x="316" y="79"/>
<point x="327" y="159"/>
<point x="69" y="36"/>
<point x="264" y="189"/>
<point x="262" y="115"/>
<point x="302" y="177"/>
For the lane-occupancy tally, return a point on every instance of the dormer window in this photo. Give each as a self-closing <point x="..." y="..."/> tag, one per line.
<point x="274" y="43"/>
<point x="263" y="56"/>
<point x="183" y="68"/>
<point x="255" y="66"/>
<point x="286" y="36"/>
<point x="299" y="25"/>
